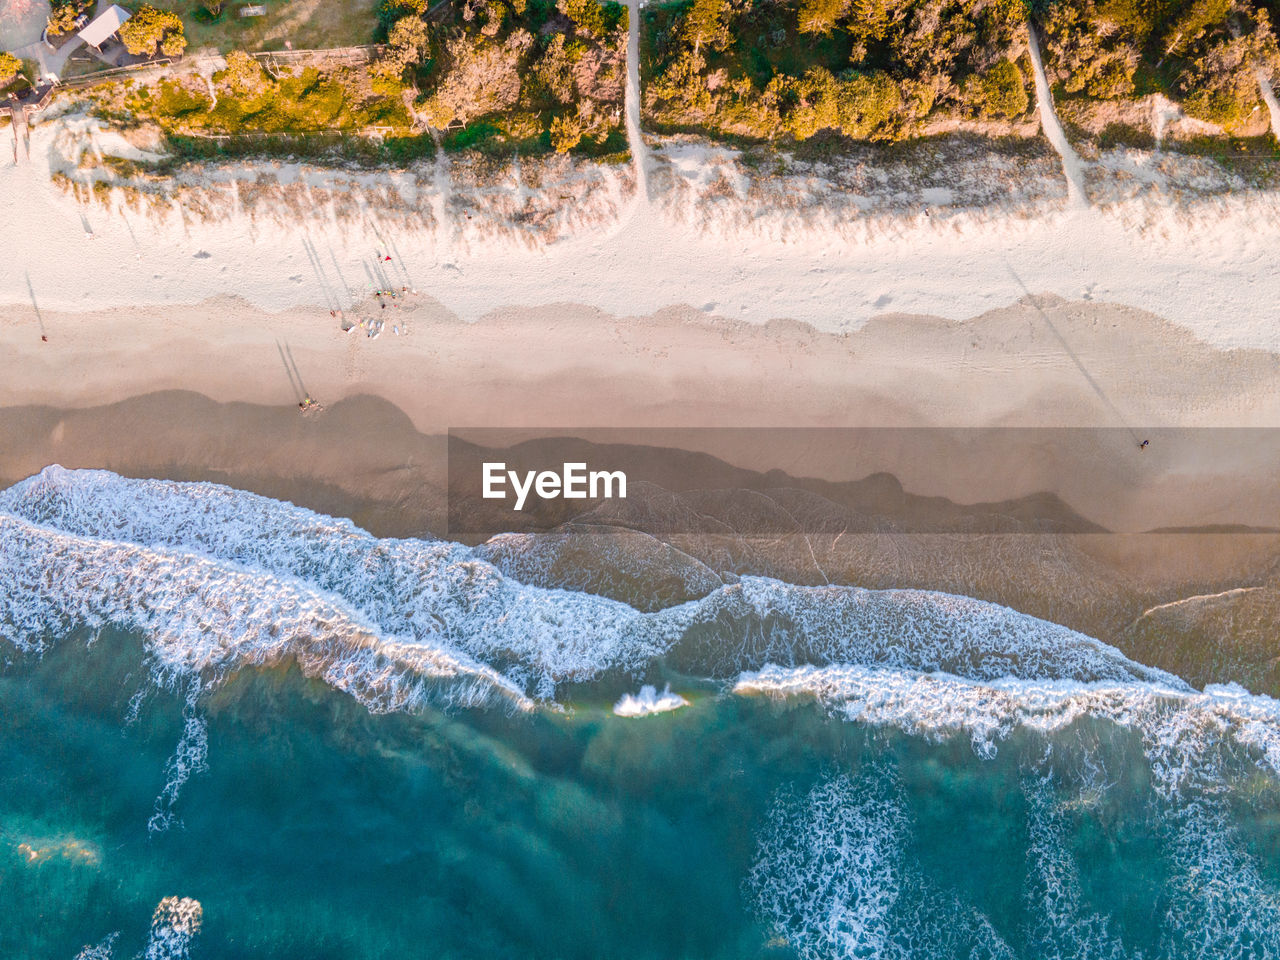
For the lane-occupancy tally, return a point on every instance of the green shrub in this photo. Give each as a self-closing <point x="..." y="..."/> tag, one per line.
<point x="150" y="28"/>
<point x="1000" y="93"/>
<point x="178" y="100"/>
<point x="10" y="67"/>
<point x="870" y="106"/>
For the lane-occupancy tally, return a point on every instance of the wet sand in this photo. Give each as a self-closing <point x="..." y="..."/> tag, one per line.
<point x="1042" y="365"/>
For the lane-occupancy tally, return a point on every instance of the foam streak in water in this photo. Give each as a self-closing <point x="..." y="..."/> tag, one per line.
<point x="189" y="757"/>
<point x="832" y="879"/>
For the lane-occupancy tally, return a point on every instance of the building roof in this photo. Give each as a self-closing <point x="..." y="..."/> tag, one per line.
<point x="101" y="27"/>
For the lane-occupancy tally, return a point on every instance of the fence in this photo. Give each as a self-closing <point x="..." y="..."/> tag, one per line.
<point x="366" y="132"/>
<point x="89" y="79"/>
<point x="273" y="61"/>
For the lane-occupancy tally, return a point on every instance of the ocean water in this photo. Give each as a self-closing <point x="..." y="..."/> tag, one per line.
<point x="230" y="727"/>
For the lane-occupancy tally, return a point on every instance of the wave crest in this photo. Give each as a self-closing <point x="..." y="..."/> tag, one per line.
<point x="219" y="578"/>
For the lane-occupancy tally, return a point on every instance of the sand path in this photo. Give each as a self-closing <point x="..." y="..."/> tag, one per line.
<point x="635" y="138"/>
<point x="1072" y="166"/>
<point x="1269" y="98"/>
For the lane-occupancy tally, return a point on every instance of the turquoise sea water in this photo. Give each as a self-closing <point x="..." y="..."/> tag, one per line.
<point x="197" y="765"/>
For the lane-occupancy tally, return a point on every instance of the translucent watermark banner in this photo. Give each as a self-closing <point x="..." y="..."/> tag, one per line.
<point x="779" y="481"/>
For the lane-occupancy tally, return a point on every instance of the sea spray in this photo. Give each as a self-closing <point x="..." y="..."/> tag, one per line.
<point x="648" y="702"/>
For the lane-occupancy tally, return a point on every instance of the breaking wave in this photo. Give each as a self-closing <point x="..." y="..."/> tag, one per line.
<point x="648" y="702"/>
<point x="201" y="615"/>
<point x="217" y="578"/>
<point x="1175" y="721"/>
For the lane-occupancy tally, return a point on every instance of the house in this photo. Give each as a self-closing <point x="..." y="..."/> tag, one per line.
<point x="104" y="26"/>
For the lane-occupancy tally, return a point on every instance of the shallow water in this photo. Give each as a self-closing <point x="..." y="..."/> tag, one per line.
<point x="184" y="715"/>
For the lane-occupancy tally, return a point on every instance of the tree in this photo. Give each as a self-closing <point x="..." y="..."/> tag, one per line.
<point x="10" y="67"/>
<point x="566" y="132"/>
<point x="1191" y="26"/>
<point x="708" y="22"/>
<point x="62" y="19"/>
<point x="407" y="44"/>
<point x="587" y="15"/>
<point x="150" y="28"/>
<point x="1001" y="92"/>
<point x="869" y="105"/>
<point x="478" y="80"/>
<point x="389" y="11"/>
<point x="820" y="16"/>
<point x="243" y="76"/>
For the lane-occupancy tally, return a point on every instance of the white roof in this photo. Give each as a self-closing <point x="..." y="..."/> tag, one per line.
<point x="96" y="33"/>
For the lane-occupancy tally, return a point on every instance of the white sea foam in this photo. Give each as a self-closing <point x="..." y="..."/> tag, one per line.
<point x="206" y="616"/>
<point x="1218" y="904"/>
<point x="102" y="950"/>
<point x="1061" y="927"/>
<point x="430" y="594"/>
<point x="760" y="620"/>
<point x="175" y="924"/>
<point x="829" y="868"/>
<point x="190" y="756"/>
<point x="1171" y="718"/>
<point x="216" y="576"/>
<point x="648" y="701"/>
<point x="832" y="879"/>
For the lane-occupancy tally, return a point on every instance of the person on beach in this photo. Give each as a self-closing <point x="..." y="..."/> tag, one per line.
<point x="1143" y="444"/>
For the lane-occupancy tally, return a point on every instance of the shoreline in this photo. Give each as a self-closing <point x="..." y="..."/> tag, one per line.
<point x="1047" y="365"/>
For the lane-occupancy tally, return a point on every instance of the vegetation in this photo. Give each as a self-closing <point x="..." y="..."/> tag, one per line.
<point x="504" y="75"/>
<point x="869" y="69"/>
<point x="538" y="75"/>
<point x="63" y="16"/>
<point x="150" y="29"/>
<point x="306" y="24"/>
<point x="10" y="69"/>
<point x="526" y="75"/>
<point x="1202" y="53"/>
<point x="251" y="103"/>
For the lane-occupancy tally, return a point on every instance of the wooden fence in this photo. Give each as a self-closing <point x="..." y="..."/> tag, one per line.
<point x="273" y="61"/>
<point x="377" y="131"/>
<point x="113" y="73"/>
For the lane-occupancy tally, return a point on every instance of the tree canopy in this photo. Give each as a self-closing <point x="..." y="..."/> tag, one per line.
<point x="149" y="29"/>
<point x="10" y="67"/>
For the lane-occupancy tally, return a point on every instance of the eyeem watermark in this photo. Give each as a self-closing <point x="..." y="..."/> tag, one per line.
<point x="573" y="482"/>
